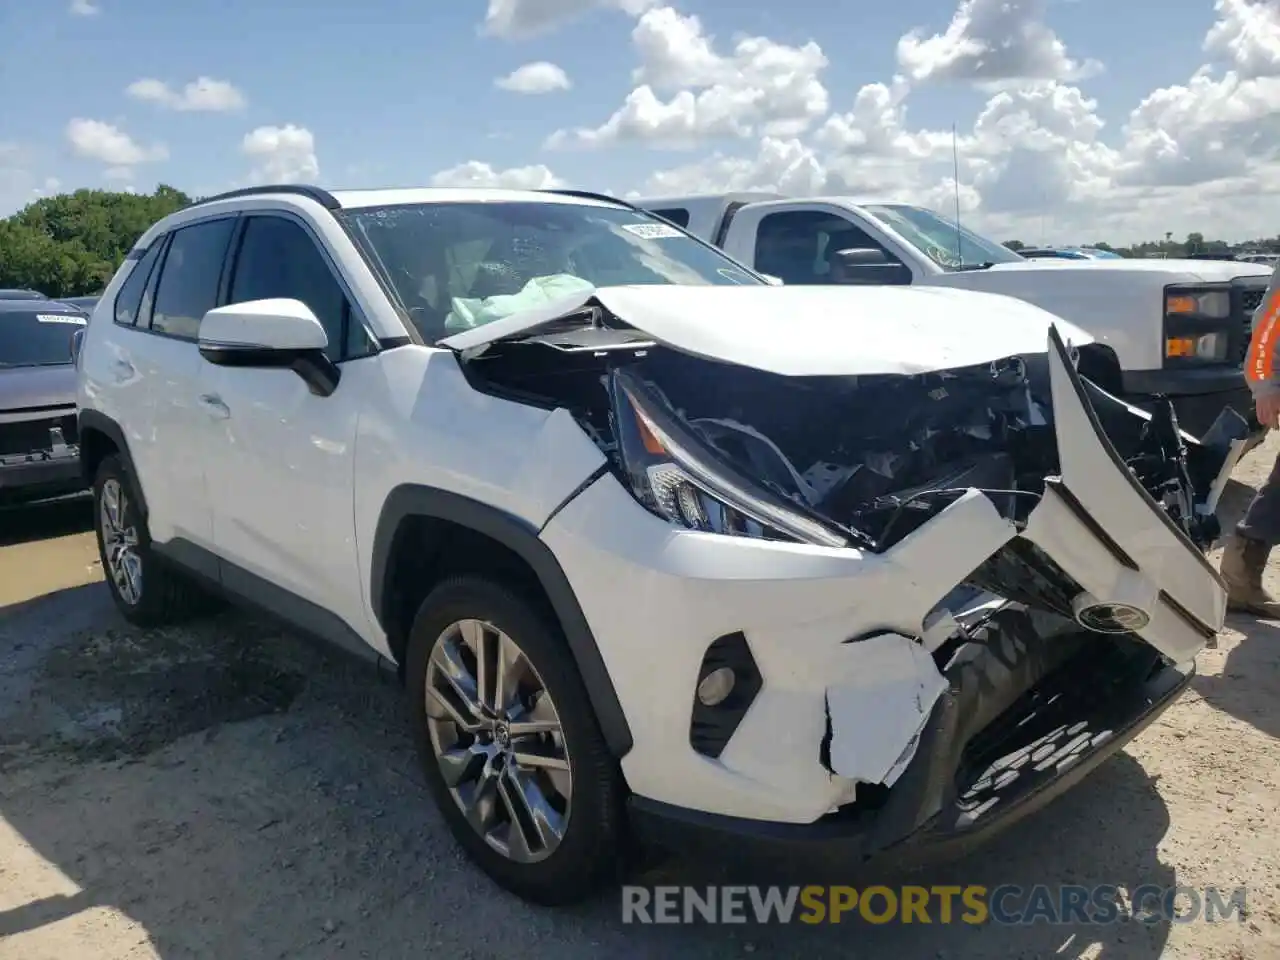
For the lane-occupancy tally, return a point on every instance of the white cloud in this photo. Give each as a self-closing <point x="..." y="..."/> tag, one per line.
<point x="992" y="41"/>
<point x="521" y="19"/>
<point x="473" y="173"/>
<point x="98" y="140"/>
<point x="202" y="94"/>
<point x="84" y="8"/>
<point x="761" y="87"/>
<point x="281" y="154"/>
<point x="1247" y="35"/>
<point x="534" y="78"/>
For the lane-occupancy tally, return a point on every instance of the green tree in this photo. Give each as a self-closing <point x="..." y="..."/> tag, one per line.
<point x="1015" y="245"/>
<point x="71" y="244"/>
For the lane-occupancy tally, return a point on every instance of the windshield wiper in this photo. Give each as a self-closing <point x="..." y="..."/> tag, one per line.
<point x="985" y="265"/>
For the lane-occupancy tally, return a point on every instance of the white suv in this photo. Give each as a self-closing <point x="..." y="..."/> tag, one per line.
<point x="659" y="550"/>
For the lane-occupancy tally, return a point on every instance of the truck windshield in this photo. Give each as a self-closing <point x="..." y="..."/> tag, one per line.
<point x="459" y="265"/>
<point x="940" y="240"/>
<point x="31" y="337"/>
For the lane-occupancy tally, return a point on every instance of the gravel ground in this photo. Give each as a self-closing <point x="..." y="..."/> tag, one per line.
<point x="227" y="790"/>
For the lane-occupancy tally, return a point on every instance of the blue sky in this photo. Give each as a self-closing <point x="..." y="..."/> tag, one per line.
<point x="393" y="92"/>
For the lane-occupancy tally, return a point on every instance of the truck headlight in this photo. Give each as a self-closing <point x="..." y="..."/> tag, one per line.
<point x="676" y="476"/>
<point x="1208" y="304"/>
<point x="1196" y="323"/>
<point x="1211" y="347"/>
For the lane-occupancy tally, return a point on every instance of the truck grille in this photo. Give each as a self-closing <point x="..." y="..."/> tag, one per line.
<point x="1247" y="299"/>
<point x="29" y="436"/>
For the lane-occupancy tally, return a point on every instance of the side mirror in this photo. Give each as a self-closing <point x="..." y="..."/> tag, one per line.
<point x="270" y="334"/>
<point x="868" y="266"/>
<point x="77" y="341"/>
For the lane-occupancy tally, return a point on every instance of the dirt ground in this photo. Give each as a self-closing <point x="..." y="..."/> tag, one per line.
<point x="229" y="791"/>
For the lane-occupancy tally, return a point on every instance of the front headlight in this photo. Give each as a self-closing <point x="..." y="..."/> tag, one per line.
<point x="1208" y="304"/>
<point x="673" y="474"/>
<point x="1211" y="347"/>
<point x="1195" y="323"/>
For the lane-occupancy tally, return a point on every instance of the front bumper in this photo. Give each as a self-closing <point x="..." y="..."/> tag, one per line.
<point x="1031" y="758"/>
<point x="855" y="706"/>
<point x="1198" y="396"/>
<point x="39" y="475"/>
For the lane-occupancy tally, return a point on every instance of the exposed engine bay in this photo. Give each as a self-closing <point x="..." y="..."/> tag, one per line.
<point x="866" y="458"/>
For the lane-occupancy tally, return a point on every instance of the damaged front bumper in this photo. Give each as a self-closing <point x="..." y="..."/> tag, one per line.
<point x="873" y="700"/>
<point x="955" y="794"/>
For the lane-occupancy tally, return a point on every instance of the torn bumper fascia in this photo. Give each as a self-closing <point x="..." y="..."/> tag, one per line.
<point x="835" y="632"/>
<point x="656" y="597"/>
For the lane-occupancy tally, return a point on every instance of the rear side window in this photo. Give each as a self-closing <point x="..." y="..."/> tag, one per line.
<point x="278" y="258"/>
<point x="677" y="215"/>
<point x="130" y="295"/>
<point x="34" y="338"/>
<point x="189" y="277"/>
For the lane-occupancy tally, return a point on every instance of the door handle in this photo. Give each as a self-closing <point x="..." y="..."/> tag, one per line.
<point x="214" y="406"/>
<point x="122" y="369"/>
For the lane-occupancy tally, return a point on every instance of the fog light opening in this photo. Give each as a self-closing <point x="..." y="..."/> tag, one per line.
<point x="715" y="688"/>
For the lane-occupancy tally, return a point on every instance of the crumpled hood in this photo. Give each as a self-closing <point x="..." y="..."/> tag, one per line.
<point x="810" y="330"/>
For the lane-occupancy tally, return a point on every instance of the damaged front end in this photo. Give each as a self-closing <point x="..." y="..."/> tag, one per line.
<point x="1038" y="545"/>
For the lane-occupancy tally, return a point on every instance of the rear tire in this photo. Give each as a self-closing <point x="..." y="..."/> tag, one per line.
<point x="510" y="747"/>
<point x="147" y="591"/>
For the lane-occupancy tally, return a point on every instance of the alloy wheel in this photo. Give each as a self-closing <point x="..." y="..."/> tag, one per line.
<point x="497" y="739"/>
<point x="120" y="542"/>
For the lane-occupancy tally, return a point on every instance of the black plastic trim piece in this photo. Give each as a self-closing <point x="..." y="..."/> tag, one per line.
<point x="1187" y="617"/>
<point x="414" y="500"/>
<point x="318" y="372"/>
<point x="319" y="195"/>
<point x="91" y="420"/>
<point x="253" y="591"/>
<point x="591" y="195"/>
<point x="391" y="343"/>
<point x="712" y="727"/>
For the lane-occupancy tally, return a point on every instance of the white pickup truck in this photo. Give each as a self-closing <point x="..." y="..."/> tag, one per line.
<point x="1175" y="328"/>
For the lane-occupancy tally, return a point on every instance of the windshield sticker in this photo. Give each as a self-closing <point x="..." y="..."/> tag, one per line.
<point x="60" y="318"/>
<point x="652" y="231"/>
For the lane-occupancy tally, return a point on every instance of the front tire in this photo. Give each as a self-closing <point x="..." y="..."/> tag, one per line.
<point x="146" y="591"/>
<point x="510" y="747"/>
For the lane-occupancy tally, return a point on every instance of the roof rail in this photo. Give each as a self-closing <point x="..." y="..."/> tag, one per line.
<point x="319" y="195"/>
<point x="591" y="195"/>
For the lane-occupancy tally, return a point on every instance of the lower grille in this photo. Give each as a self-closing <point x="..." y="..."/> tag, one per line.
<point x="30" y="435"/>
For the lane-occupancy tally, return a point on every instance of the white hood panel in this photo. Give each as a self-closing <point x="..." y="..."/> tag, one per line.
<point x="813" y="330"/>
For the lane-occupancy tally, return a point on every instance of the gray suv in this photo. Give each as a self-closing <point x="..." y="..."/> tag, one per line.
<point x="39" y="452"/>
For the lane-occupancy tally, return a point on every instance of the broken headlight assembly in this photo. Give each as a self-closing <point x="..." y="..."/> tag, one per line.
<point x="675" y="475"/>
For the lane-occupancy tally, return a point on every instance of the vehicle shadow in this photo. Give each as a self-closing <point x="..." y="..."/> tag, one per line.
<point x="45" y="519"/>
<point x="237" y="793"/>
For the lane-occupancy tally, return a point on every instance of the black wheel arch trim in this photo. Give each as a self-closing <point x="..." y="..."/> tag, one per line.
<point x="96" y="420"/>
<point x="416" y="500"/>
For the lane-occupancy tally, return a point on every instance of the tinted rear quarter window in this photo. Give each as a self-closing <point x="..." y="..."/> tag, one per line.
<point x="189" y="277"/>
<point x="130" y="295"/>
<point x="32" y="338"/>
